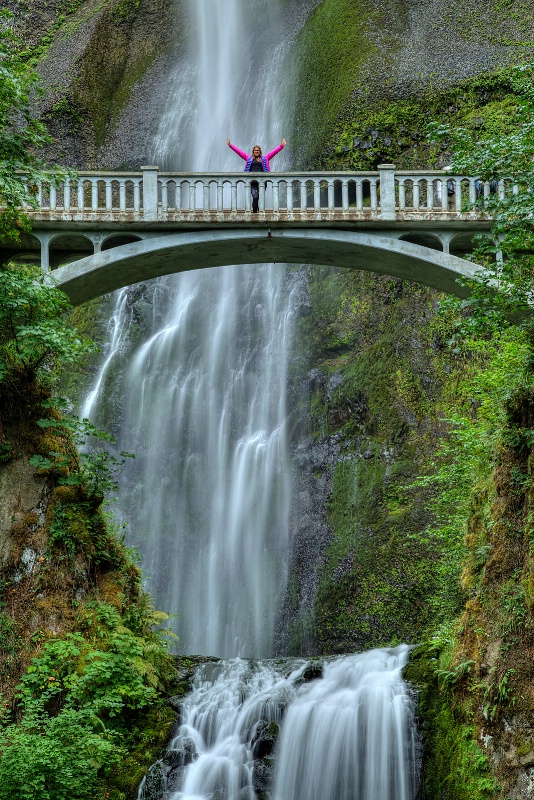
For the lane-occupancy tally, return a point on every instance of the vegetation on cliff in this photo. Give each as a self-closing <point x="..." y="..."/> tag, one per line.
<point x="84" y="674"/>
<point x="430" y="404"/>
<point x="476" y="681"/>
<point x="21" y="135"/>
<point x="84" y="669"/>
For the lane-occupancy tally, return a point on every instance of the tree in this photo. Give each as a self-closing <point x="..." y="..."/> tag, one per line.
<point x="34" y="332"/>
<point x="508" y="262"/>
<point x="21" y="137"/>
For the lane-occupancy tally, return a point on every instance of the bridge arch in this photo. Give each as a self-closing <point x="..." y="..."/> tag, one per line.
<point x="119" y="239"/>
<point x="424" y="239"/>
<point x="160" y="255"/>
<point x="64" y="247"/>
<point x="25" y="251"/>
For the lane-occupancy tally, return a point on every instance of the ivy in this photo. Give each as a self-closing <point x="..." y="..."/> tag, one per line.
<point x="35" y="335"/>
<point x="86" y="459"/>
<point x="21" y="136"/>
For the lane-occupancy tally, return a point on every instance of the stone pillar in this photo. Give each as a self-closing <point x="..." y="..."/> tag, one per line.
<point x="150" y="192"/>
<point x="45" y="256"/>
<point x="44" y="239"/>
<point x="387" y="191"/>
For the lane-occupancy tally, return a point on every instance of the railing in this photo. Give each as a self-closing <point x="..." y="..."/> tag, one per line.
<point x="151" y="195"/>
<point x="92" y="191"/>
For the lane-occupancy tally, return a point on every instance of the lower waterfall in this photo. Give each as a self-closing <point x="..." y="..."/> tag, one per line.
<point x="328" y="729"/>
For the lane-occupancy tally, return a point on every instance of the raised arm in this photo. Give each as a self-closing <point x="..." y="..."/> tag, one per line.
<point x="276" y="150"/>
<point x="239" y="152"/>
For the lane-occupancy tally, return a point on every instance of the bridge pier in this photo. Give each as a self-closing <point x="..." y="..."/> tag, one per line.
<point x="150" y="192"/>
<point x="387" y="191"/>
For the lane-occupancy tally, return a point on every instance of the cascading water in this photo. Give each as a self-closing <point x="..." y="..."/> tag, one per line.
<point x="207" y="500"/>
<point x="196" y="366"/>
<point x="348" y="735"/>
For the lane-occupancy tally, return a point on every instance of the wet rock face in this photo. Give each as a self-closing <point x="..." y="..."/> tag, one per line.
<point x="263" y="746"/>
<point x="21" y="494"/>
<point x="104" y="76"/>
<point x="314" y="671"/>
<point x="265" y="739"/>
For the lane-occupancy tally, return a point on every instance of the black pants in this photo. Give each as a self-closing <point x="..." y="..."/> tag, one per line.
<point x="255" y="192"/>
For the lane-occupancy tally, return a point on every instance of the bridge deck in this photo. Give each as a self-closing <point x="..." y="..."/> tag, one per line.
<point x="100" y="210"/>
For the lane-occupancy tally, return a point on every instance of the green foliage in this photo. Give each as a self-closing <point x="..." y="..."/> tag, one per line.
<point x="333" y="45"/>
<point x="455" y="766"/>
<point x="34" y="333"/>
<point x="86" y="459"/>
<point x="77" y="701"/>
<point x="21" y="136"/>
<point x="504" y="292"/>
<point x="108" y="668"/>
<point x="55" y="757"/>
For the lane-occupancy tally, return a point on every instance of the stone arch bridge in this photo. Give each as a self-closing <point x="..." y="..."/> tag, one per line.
<point x="102" y="230"/>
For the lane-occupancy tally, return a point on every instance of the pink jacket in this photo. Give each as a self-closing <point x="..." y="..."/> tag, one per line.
<point x="248" y="158"/>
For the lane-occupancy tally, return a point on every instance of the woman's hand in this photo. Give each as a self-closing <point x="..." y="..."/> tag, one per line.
<point x="228" y="141"/>
<point x="283" y="142"/>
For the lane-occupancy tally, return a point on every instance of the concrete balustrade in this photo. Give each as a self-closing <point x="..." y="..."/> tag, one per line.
<point x="90" y="193"/>
<point x="95" y="212"/>
<point x="149" y="195"/>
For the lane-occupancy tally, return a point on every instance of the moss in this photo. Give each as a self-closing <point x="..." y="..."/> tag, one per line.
<point x="333" y="45"/>
<point x="454" y="765"/>
<point x="128" y="37"/>
<point x="396" y="131"/>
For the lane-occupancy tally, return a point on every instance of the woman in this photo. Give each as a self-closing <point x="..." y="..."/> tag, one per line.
<point x="256" y="163"/>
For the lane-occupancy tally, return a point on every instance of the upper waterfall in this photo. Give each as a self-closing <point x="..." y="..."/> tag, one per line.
<point x="196" y="366"/>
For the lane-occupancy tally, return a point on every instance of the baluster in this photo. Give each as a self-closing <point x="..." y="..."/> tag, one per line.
<point x="289" y="195"/>
<point x="416" y="194"/>
<point x="359" y="194"/>
<point x="374" y="199"/>
<point x="164" y="195"/>
<point x="66" y="195"/>
<point x="459" y="189"/>
<point x="94" y="194"/>
<point x="444" y="196"/>
<point x="109" y="196"/>
<point x="122" y="194"/>
<point x="52" y="197"/>
<point x="316" y="195"/>
<point x="472" y="190"/>
<point x="402" y="194"/>
<point x="233" y="193"/>
<point x="303" y="197"/>
<point x="276" y="194"/>
<point x="429" y="194"/>
<point x="220" y="196"/>
<point x="206" y="195"/>
<point x="487" y="189"/>
<point x="331" y="198"/>
<point x="191" y="196"/>
<point x="515" y="189"/>
<point x="137" y="194"/>
<point x="345" y="194"/>
<point x="501" y="189"/>
<point x="80" y="200"/>
<point x="433" y="194"/>
<point x="263" y="191"/>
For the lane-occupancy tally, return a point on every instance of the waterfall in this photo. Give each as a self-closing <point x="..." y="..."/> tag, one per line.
<point x="197" y="362"/>
<point x="346" y="734"/>
<point x="196" y="367"/>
